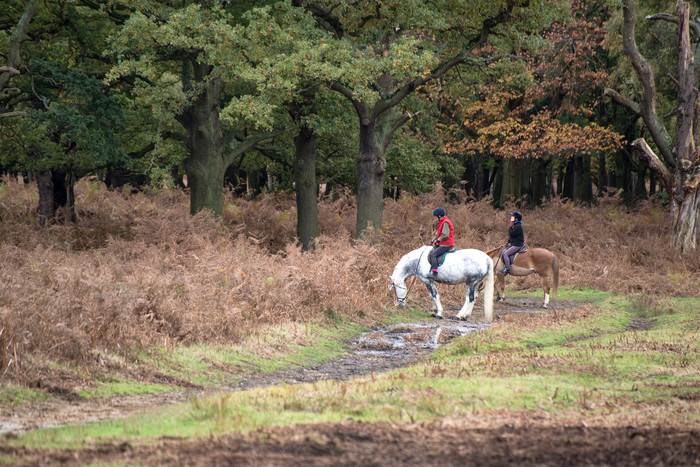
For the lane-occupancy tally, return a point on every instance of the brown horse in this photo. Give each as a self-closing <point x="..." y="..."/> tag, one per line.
<point x="534" y="260"/>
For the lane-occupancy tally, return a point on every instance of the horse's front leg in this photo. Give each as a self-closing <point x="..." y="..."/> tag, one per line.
<point x="468" y="306"/>
<point x="436" y="305"/>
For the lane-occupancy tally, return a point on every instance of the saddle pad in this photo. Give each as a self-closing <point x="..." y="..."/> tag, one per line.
<point x="444" y="255"/>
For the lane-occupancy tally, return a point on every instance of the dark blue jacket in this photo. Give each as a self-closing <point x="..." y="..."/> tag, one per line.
<point x="516" y="236"/>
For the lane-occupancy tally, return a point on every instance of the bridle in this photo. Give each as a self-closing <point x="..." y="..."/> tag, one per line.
<point x="394" y="286"/>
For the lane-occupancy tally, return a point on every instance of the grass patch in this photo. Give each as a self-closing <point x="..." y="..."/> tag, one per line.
<point x="588" y="361"/>
<point x="268" y="350"/>
<point x="582" y="294"/>
<point x="647" y="306"/>
<point x="12" y="395"/>
<point x="120" y="388"/>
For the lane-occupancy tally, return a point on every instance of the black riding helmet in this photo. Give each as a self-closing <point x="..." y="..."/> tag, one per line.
<point x="517" y="215"/>
<point x="439" y="212"/>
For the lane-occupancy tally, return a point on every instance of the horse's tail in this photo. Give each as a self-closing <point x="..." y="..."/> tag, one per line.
<point x="555" y="275"/>
<point x="488" y="292"/>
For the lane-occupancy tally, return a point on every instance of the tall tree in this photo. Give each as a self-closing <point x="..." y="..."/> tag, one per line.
<point x="385" y="51"/>
<point x="66" y="124"/>
<point x="539" y="109"/>
<point x="72" y="131"/>
<point x="678" y="166"/>
<point x="182" y="59"/>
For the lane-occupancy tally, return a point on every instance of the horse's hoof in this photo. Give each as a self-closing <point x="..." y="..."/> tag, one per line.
<point x="435" y="315"/>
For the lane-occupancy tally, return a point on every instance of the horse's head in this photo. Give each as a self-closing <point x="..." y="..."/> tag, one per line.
<point x="400" y="291"/>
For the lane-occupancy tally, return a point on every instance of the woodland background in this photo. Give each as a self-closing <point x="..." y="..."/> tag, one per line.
<point x="503" y="99"/>
<point x="180" y="172"/>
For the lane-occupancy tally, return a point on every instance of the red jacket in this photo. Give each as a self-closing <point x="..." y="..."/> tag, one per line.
<point x="449" y="241"/>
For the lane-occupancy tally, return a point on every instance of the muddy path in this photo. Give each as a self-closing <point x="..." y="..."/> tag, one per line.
<point x="525" y="437"/>
<point x="377" y="351"/>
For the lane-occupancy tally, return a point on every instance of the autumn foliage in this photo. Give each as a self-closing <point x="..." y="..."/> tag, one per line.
<point x="540" y="105"/>
<point x="138" y="270"/>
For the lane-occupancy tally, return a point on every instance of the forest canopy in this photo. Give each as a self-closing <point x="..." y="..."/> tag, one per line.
<point x="511" y="100"/>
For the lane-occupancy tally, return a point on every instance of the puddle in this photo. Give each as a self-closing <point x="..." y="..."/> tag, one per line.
<point x="10" y="426"/>
<point x="404" y="337"/>
<point x="376" y="351"/>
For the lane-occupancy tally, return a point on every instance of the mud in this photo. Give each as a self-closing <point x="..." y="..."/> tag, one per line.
<point x="377" y="351"/>
<point x="504" y="442"/>
<point x="498" y="439"/>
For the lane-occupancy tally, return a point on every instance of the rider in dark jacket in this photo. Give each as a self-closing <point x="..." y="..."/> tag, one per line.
<point x="516" y="239"/>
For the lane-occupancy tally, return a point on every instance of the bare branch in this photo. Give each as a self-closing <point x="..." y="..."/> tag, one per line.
<point x="695" y="27"/>
<point x="644" y="73"/>
<point x="13" y="114"/>
<point x="622" y="101"/>
<point x="395" y="125"/>
<point x="645" y="153"/>
<point x="19" y="35"/>
<point x="244" y="144"/>
<point x="9" y="69"/>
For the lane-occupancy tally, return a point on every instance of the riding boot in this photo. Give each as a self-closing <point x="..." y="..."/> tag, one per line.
<point x="434" y="272"/>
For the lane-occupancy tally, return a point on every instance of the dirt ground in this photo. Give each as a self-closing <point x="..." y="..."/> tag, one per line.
<point x="503" y="440"/>
<point x="487" y="438"/>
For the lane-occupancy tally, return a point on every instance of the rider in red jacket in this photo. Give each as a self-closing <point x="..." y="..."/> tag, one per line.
<point x="444" y="238"/>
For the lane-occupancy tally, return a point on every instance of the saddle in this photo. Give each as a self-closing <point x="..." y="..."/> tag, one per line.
<point x="512" y="257"/>
<point x="441" y="258"/>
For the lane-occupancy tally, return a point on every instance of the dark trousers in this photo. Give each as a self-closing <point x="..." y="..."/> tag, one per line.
<point x="507" y="252"/>
<point x="436" y="253"/>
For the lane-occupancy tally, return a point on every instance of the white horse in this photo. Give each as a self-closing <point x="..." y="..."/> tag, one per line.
<point x="467" y="266"/>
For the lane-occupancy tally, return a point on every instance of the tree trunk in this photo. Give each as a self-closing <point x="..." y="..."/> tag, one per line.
<point x="475" y="177"/>
<point x="567" y="189"/>
<point x="512" y="183"/>
<point x="582" y="179"/>
<point x="255" y="182"/>
<point x="371" y="167"/>
<point x="522" y="167"/>
<point x="306" y="187"/>
<point x="640" y="186"/>
<point x="61" y="192"/>
<point x="497" y="185"/>
<point x="601" y="175"/>
<point x="47" y="209"/>
<point x="679" y="171"/>
<point x="687" y="177"/>
<point x="560" y="175"/>
<point x="540" y="187"/>
<point x="69" y="207"/>
<point x="686" y="223"/>
<point x="204" y="165"/>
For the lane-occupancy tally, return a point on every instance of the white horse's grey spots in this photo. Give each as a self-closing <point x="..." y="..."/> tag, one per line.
<point x="467" y="266"/>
